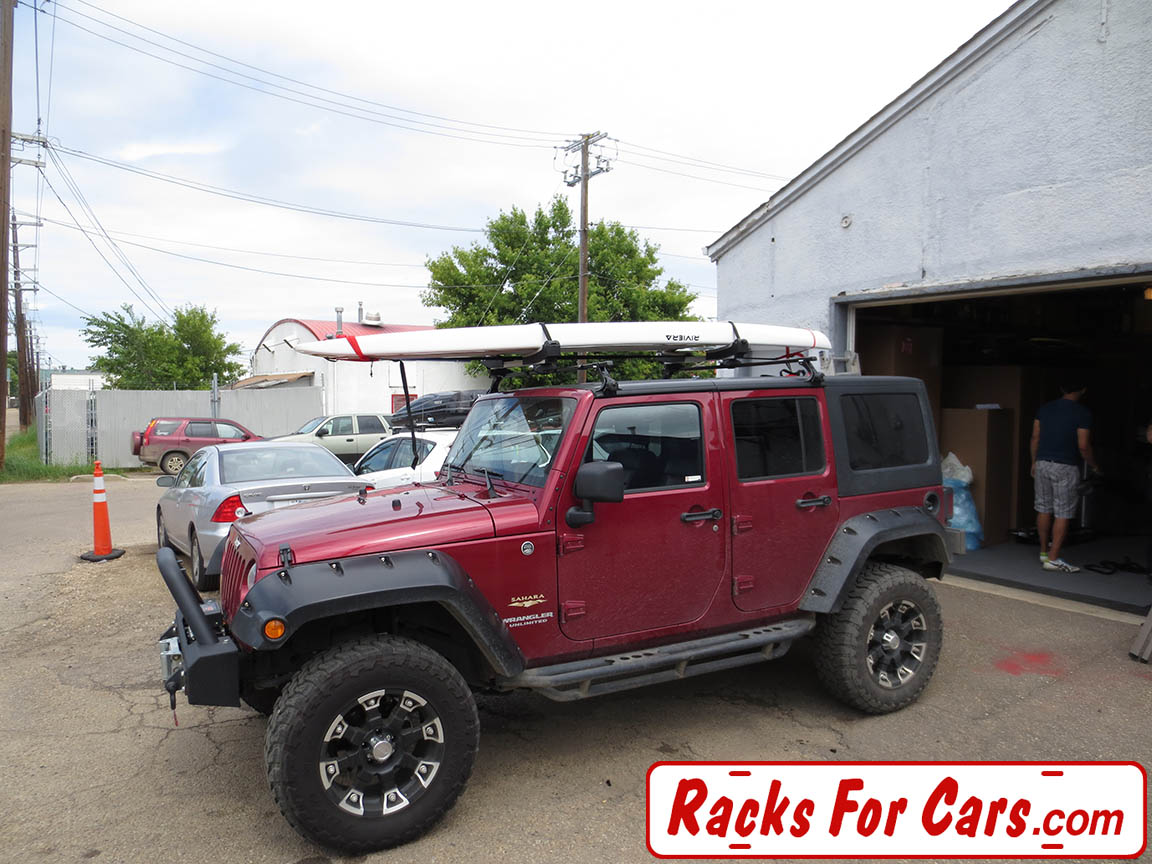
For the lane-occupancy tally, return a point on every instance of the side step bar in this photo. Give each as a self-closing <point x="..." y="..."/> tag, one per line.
<point x="579" y="679"/>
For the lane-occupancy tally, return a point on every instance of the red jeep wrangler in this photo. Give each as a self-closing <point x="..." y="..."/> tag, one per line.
<point x="579" y="540"/>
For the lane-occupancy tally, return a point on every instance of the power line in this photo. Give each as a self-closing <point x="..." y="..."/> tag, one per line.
<point x="70" y="181"/>
<point x="228" y="248"/>
<point x="694" y="176"/>
<point x="97" y="248"/>
<point x="64" y="300"/>
<point x="232" y="266"/>
<point x="538" y="132"/>
<point x="692" y="159"/>
<point x="319" y="102"/>
<point x="255" y="199"/>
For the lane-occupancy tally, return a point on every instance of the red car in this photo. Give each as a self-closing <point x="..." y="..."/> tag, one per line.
<point x="169" y="441"/>
<point x="578" y="541"/>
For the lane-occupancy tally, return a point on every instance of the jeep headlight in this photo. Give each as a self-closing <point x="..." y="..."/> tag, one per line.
<point x="251" y="578"/>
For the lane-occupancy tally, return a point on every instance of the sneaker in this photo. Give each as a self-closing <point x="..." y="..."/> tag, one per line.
<point x="1061" y="565"/>
<point x="1043" y="557"/>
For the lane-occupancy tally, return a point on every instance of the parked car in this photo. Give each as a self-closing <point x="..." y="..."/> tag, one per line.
<point x="349" y="436"/>
<point x="585" y="540"/>
<point x="222" y="483"/>
<point x="389" y="463"/>
<point x="438" y="409"/>
<point x="169" y="441"/>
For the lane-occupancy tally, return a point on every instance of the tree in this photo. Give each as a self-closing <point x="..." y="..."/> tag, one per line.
<point x="528" y="270"/>
<point x="139" y="355"/>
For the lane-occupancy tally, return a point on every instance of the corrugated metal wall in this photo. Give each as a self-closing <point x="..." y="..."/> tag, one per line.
<point x="64" y="416"/>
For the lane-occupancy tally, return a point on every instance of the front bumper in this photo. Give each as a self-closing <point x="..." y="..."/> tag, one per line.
<point x="197" y="654"/>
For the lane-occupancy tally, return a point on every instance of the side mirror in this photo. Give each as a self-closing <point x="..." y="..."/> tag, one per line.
<point x="165" y="480"/>
<point x="245" y="437"/>
<point x="595" y="481"/>
<point x="321" y="432"/>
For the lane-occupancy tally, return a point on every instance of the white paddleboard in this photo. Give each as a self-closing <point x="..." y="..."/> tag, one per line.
<point x="523" y="340"/>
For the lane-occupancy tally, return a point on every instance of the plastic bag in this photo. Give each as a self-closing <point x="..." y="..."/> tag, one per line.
<point x="958" y="477"/>
<point x="954" y="469"/>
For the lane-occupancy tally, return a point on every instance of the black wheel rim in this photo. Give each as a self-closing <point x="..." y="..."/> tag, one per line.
<point x="897" y="644"/>
<point x="381" y="753"/>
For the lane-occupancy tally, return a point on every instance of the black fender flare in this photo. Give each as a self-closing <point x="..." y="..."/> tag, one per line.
<point x="858" y="537"/>
<point x="302" y="593"/>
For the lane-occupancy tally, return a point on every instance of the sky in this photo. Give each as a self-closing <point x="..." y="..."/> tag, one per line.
<point x="436" y="114"/>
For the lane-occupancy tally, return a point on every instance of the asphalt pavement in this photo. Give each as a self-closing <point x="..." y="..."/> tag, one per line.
<point x="95" y="768"/>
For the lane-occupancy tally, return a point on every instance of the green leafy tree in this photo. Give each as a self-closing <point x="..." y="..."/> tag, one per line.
<point x="138" y="355"/>
<point x="528" y="270"/>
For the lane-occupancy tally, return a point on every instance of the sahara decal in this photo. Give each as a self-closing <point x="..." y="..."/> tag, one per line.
<point x="526" y="600"/>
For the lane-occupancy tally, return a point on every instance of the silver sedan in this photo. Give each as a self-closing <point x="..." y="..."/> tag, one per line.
<point x="225" y="482"/>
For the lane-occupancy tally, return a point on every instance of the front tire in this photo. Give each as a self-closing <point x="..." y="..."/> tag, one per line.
<point x="370" y="744"/>
<point x="879" y="651"/>
<point x="200" y="577"/>
<point x="162" y="541"/>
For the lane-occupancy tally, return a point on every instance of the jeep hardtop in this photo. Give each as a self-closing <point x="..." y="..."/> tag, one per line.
<point x="579" y="540"/>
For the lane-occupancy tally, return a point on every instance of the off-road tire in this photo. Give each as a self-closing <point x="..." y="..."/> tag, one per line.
<point x="201" y="578"/>
<point x="843" y="638"/>
<point x="302" y="721"/>
<point x="173" y="462"/>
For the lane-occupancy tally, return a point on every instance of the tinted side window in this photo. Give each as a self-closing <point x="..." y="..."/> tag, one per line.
<point x="777" y="437"/>
<point x="884" y="430"/>
<point x="368" y="423"/>
<point x="199" y="430"/>
<point x="165" y="427"/>
<point x="192" y="466"/>
<point x="658" y="445"/>
<point x="379" y="458"/>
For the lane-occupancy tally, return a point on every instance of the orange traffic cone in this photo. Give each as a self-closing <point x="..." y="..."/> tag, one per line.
<point x="101" y="534"/>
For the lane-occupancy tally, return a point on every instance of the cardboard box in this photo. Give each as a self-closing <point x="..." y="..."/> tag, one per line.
<point x="982" y="440"/>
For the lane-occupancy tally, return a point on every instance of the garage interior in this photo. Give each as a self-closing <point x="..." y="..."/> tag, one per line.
<point x="989" y="360"/>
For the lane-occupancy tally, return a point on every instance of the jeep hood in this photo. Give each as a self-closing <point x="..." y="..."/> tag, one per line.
<point x="387" y="521"/>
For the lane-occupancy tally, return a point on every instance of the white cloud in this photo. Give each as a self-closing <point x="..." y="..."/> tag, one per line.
<point x="135" y="151"/>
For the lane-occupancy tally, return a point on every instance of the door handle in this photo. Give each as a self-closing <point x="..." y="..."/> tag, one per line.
<point x="822" y="501"/>
<point x="350" y="440"/>
<point x="714" y="513"/>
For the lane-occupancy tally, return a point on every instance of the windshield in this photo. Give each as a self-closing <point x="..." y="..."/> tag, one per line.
<point x="279" y="463"/>
<point x="309" y="426"/>
<point x="514" y="438"/>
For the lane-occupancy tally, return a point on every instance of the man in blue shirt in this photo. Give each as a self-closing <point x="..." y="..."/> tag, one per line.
<point x="1061" y="442"/>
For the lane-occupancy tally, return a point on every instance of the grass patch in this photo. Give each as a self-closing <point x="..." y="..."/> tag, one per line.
<point x="22" y="462"/>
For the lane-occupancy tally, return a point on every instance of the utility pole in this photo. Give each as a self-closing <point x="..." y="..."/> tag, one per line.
<point x="7" y="24"/>
<point x="582" y="177"/>
<point x="20" y="325"/>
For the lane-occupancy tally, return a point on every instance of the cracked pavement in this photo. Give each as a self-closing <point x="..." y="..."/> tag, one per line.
<point x="95" y="769"/>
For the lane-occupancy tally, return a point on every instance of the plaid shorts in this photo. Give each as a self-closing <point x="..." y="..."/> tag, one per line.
<point x="1056" y="489"/>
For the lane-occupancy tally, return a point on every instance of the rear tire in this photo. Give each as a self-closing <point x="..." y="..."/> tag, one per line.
<point x="173" y="462"/>
<point x="370" y="744"/>
<point x="200" y="577"/>
<point x="879" y="651"/>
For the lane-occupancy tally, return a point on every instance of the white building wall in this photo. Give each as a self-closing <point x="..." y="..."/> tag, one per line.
<point x="352" y="386"/>
<point x="1037" y="159"/>
<point x="77" y="381"/>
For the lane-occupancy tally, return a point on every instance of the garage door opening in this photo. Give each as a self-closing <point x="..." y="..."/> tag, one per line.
<point x="990" y="361"/>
